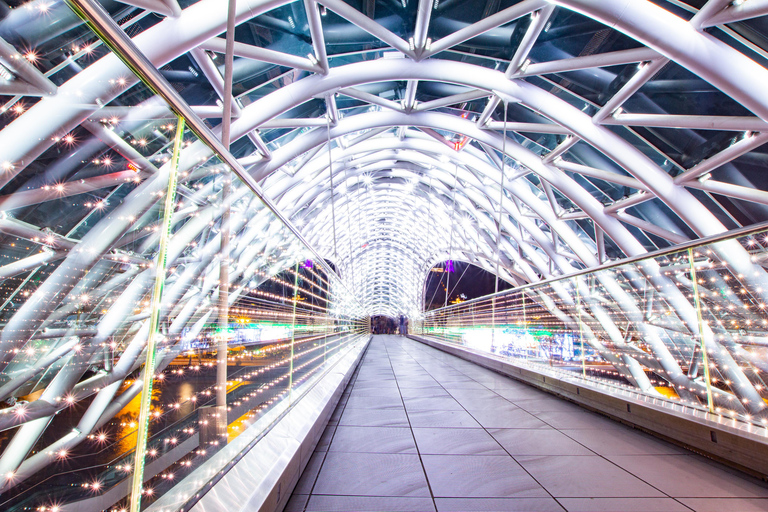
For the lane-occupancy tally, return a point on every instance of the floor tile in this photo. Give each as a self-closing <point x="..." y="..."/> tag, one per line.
<point x="626" y="505"/>
<point x="726" y="504"/>
<point x="309" y="475"/>
<point x="463" y="476"/>
<point x="375" y="402"/>
<point x="325" y="438"/>
<point x="401" y="377"/>
<point x="474" y="394"/>
<point x="574" y="420"/>
<point x="460" y="441"/>
<point x="497" y="505"/>
<point x="623" y="441"/>
<point x="530" y="393"/>
<point x="496" y="382"/>
<point x="480" y="403"/>
<point x="390" y="384"/>
<point x="321" y="503"/>
<point x="537" y="441"/>
<point x="450" y="376"/>
<point x="296" y="503"/>
<point x="374" y="418"/>
<point x="585" y="477"/>
<point x="389" y="392"/>
<point x="336" y="415"/>
<point x="373" y="377"/>
<point x="442" y="419"/>
<point x="507" y="418"/>
<point x="373" y="440"/>
<point x="437" y="403"/>
<point x="403" y="384"/>
<point x="537" y="405"/>
<point x="691" y="476"/>
<point x="371" y="474"/>
<point x="468" y="385"/>
<point x="416" y="383"/>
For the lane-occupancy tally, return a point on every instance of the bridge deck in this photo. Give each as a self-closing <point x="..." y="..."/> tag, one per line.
<point x="421" y="430"/>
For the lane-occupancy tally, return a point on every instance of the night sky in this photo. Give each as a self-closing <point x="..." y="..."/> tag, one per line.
<point x="475" y="282"/>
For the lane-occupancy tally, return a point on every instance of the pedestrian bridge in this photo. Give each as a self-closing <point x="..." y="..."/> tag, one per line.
<point x="206" y="207"/>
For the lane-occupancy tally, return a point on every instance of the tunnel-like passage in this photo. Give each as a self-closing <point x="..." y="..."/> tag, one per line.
<point x="207" y="206"/>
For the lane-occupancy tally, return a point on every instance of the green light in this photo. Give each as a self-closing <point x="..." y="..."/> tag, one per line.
<point x="154" y="322"/>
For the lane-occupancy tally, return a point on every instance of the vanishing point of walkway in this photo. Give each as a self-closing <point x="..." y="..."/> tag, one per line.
<point x="421" y="430"/>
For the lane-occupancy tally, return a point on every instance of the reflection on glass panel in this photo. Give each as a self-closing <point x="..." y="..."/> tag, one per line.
<point x="685" y="329"/>
<point x="80" y="231"/>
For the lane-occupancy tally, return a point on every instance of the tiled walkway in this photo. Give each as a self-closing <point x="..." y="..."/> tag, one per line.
<point x="420" y="430"/>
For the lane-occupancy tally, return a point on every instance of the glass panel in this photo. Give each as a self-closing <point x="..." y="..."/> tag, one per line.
<point x="684" y="329"/>
<point x="79" y="231"/>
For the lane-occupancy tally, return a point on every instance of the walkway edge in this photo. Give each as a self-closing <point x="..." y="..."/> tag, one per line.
<point x="738" y="448"/>
<point x="264" y="479"/>
<point x="264" y="476"/>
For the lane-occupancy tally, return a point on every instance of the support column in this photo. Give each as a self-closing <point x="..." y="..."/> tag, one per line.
<point x="220" y="416"/>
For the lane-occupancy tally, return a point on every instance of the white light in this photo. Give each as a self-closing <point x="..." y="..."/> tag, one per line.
<point x="5" y="73"/>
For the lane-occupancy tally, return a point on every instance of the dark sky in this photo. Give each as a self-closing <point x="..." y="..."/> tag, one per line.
<point x="475" y="282"/>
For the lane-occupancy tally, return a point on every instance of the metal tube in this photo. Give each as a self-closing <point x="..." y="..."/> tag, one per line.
<point x="529" y="127"/>
<point x="333" y="206"/>
<point x="729" y="189"/>
<point x="316" y="33"/>
<point x="650" y="227"/>
<point x="733" y="12"/>
<point x="745" y="145"/>
<point x="720" y="123"/>
<point x="224" y="229"/>
<point x="364" y="22"/>
<point x="589" y="61"/>
<point x="540" y="19"/>
<point x="733" y="72"/>
<point x="645" y="72"/>
<point x="707" y="11"/>
<point x="488" y="23"/>
<point x="612" y="177"/>
<point x="371" y="98"/>
<point x="218" y="45"/>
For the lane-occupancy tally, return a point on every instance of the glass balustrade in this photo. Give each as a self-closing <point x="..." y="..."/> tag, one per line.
<point x="112" y="239"/>
<point x="685" y="328"/>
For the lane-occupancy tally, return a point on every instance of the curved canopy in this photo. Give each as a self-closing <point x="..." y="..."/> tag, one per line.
<point x="531" y="138"/>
